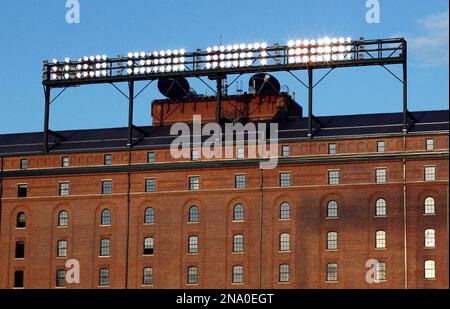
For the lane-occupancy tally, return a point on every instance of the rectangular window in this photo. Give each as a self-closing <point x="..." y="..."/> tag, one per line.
<point x="107" y="159"/>
<point x="380" y="146"/>
<point x="106" y="186"/>
<point x="195" y="155"/>
<point x="60" y="278"/>
<point x="103" y="279"/>
<point x="240" y="153"/>
<point x="148" y="276"/>
<point x="333" y="177"/>
<point x="240" y="181"/>
<point x="284" y="273"/>
<point x="194" y="183"/>
<point x="380" y="271"/>
<point x="18" y="279"/>
<point x="285" y="179"/>
<point x="285" y="151"/>
<point x="148" y="246"/>
<point x="23" y="164"/>
<point x="62" y="248"/>
<point x="332" y="149"/>
<point x="332" y="241"/>
<point x="380" y="175"/>
<point x="430" y="144"/>
<point x="150" y="185"/>
<point x="22" y="190"/>
<point x="63" y="189"/>
<point x="104" y="247"/>
<point x="65" y="161"/>
<point x="332" y="272"/>
<point x="238" y="274"/>
<point x="430" y="173"/>
<point x="150" y="157"/>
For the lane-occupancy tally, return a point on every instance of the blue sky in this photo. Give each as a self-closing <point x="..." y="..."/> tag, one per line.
<point x="31" y="31"/>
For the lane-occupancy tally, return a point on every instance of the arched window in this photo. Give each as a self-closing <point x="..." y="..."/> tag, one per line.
<point x="332" y="272"/>
<point x="193" y="244"/>
<point x="380" y="207"/>
<point x="238" y="274"/>
<point x="284" y="273"/>
<point x="105" y="217"/>
<point x="21" y="220"/>
<point x="380" y="271"/>
<point x="332" y="209"/>
<point x="429" y="205"/>
<point x="380" y="239"/>
<point x="149" y="215"/>
<point x="284" y="242"/>
<point x="193" y="214"/>
<point x="430" y="238"/>
<point x="238" y="212"/>
<point x="332" y="241"/>
<point x="430" y="269"/>
<point x="238" y="243"/>
<point x="63" y="218"/>
<point x="285" y="212"/>
<point x="192" y="275"/>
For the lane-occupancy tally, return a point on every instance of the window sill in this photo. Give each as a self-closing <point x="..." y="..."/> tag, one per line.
<point x="285" y="220"/>
<point x="429" y="279"/>
<point x="103" y="286"/>
<point x="192" y="284"/>
<point x="149" y="224"/>
<point x="284" y="283"/>
<point x="148" y="255"/>
<point x="331" y="250"/>
<point x="287" y="251"/>
<point x="18" y="288"/>
<point x="429" y="248"/>
<point x="381" y="249"/>
<point x="238" y="221"/>
<point x="62" y="227"/>
<point x="429" y="215"/>
<point x="105" y="225"/>
<point x="331" y="282"/>
<point x="332" y="218"/>
<point x="193" y="222"/>
<point x="237" y="283"/>
<point x="19" y="259"/>
<point x="192" y="254"/>
<point x="147" y="285"/>
<point x="238" y="253"/>
<point x="21" y="228"/>
<point x="60" y="287"/>
<point x="104" y="256"/>
<point x="384" y="216"/>
<point x="61" y="257"/>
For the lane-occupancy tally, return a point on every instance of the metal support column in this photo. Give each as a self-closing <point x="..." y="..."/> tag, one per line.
<point x="405" y="89"/>
<point x="47" y="90"/>
<point x="130" y="113"/>
<point x="310" y="99"/>
<point x="219" y="98"/>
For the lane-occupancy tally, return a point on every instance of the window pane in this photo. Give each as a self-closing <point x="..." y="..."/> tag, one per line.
<point x="284" y="242"/>
<point x="192" y="275"/>
<point x="430" y="269"/>
<point x="108" y="159"/>
<point x="430" y="173"/>
<point x="193" y="214"/>
<point x="21" y="220"/>
<point x="64" y="189"/>
<point x="194" y="183"/>
<point x="238" y="243"/>
<point x="240" y="153"/>
<point x="285" y="151"/>
<point x="106" y="186"/>
<point x="193" y="244"/>
<point x="238" y="276"/>
<point x="63" y="218"/>
<point x="380" y="207"/>
<point x="147" y="276"/>
<point x="105" y="217"/>
<point x="380" y="146"/>
<point x="285" y="179"/>
<point x="61" y="278"/>
<point x="332" y="241"/>
<point x="332" y="210"/>
<point x="238" y="213"/>
<point x="240" y="181"/>
<point x="20" y="250"/>
<point x="18" y="279"/>
<point x="430" y="238"/>
<point x="150" y="185"/>
<point x="380" y="271"/>
<point x="332" y="149"/>
<point x="62" y="248"/>
<point x="430" y="144"/>
<point x="285" y="211"/>
<point x="380" y="175"/>
<point x="149" y="216"/>
<point x="148" y="246"/>
<point x="380" y="242"/>
<point x="22" y="191"/>
<point x="104" y="247"/>
<point x="150" y="157"/>
<point x="65" y="162"/>
<point x="333" y="177"/>
<point x="284" y="273"/>
<point x="23" y="164"/>
<point x="103" y="277"/>
<point x="332" y="272"/>
<point x="429" y="205"/>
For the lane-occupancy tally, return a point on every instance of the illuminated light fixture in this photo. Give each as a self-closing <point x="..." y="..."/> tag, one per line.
<point x="55" y="61"/>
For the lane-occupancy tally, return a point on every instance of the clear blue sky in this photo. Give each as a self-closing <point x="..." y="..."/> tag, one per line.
<point x="31" y="31"/>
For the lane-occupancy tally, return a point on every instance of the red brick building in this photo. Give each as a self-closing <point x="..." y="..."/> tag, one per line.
<point x="360" y="189"/>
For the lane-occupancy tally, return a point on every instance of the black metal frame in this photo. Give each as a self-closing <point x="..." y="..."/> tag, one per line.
<point x="380" y="52"/>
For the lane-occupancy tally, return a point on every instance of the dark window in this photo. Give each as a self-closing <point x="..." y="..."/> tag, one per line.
<point x="60" y="278"/>
<point x="148" y="246"/>
<point x="65" y="161"/>
<point x="239" y="181"/>
<point x="104" y="247"/>
<point x="150" y="185"/>
<point x="192" y="275"/>
<point x="105" y="217"/>
<point x="108" y="159"/>
<point x="380" y="146"/>
<point x="238" y="212"/>
<point x="285" y="211"/>
<point x="21" y="220"/>
<point x="150" y="157"/>
<point x="194" y="183"/>
<point x="63" y="218"/>
<point x="61" y="248"/>
<point x="238" y="274"/>
<point x="193" y="244"/>
<point x="63" y="189"/>
<point x="149" y="215"/>
<point x="285" y="151"/>
<point x="106" y="186"/>
<point x="285" y="179"/>
<point x="103" y="278"/>
<point x="332" y="149"/>
<point x="193" y="214"/>
<point x="238" y="243"/>
<point x="284" y="273"/>
<point x="20" y="250"/>
<point x="18" y="279"/>
<point x="147" y="276"/>
<point x="332" y="272"/>
<point x="22" y="191"/>
<point x="23" y="164"/>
